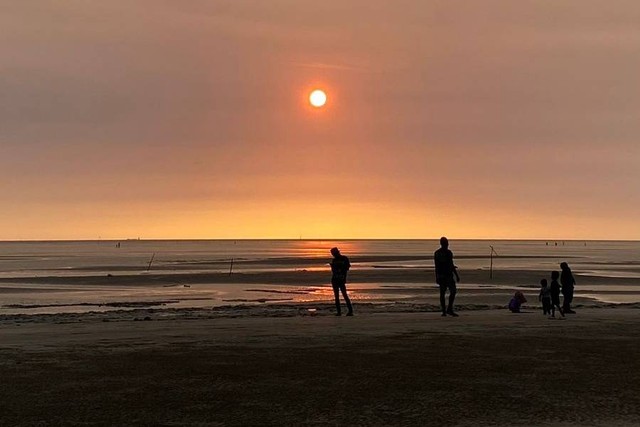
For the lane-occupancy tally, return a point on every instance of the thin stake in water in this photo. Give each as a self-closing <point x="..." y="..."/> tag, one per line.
<point x="491" y="261"/>
<point x="151" y="261"/>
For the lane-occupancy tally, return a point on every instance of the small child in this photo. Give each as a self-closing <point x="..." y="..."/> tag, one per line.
<point x="554" y="290"/>
<point x="545" y="297"/>
<point x="516" y="302"/>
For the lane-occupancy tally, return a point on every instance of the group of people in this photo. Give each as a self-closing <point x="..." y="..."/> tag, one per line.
<point x="549" y="294"/>
<point x="446" y="277"/>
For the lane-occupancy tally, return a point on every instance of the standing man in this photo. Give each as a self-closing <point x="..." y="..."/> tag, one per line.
<point x="445" y="272"/>
<point x="339" y="267"/>
<point x="568" y="283"/>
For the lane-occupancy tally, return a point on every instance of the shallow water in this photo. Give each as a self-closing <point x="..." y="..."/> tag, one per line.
<point x="91" y="257"/>
<point x="608" y="259"/>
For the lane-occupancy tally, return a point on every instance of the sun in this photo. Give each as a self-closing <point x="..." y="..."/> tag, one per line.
<point x="318" y="98"/>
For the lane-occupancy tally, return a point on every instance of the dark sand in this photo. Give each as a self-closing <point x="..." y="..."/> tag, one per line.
<point x="248" y="367"/>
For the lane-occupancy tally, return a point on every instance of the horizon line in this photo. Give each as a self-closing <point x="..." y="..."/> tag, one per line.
<point x="160" y="239"/>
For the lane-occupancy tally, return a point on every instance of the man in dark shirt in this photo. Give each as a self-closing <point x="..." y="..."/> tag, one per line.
<point x="339" y="267"/>
<point x="445" y="272"/>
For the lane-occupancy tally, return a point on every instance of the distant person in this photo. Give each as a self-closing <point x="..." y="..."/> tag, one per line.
<point x="568" y="283"/>
<point x="554" y="290"/>
<point x="545" y="297"/>
<point x="340" y="265"/>
<point x="516" y="302"/>
<point x="445" y="272"/>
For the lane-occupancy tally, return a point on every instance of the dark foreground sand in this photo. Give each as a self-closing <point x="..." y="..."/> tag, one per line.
<point x="484" y="368"/>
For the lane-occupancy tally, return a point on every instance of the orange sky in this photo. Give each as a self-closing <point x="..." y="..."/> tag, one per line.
<point x="160" y="119"/>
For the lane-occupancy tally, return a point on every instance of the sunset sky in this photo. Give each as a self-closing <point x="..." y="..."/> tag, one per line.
<point x="190" y="119"/>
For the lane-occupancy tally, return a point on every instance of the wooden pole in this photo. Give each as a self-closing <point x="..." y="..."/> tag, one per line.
<point x="150" y="261"/>
<point x="491" y="264"/>
<point x="493" y="252"/>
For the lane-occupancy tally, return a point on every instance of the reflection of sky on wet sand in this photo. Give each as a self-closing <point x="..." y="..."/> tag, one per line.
<point x="174" y="258"/>
<point x="635" y="274"/>
<point x="613" y="298"/>
<point x="61" y="299"/>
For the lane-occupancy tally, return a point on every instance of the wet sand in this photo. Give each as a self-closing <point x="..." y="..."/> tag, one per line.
<point x="266" y="365"/>
<point x="515" y="277"/>
<point x="206" y="289"/>
<point x="206" y="348"/>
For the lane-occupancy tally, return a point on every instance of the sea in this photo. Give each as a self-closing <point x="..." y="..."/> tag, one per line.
<point x="43" y="260"/>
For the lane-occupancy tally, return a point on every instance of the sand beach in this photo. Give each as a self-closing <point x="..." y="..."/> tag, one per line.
<point x="102" y="340"/>
<point x="267" y="365"/>
<point x="188" y="187"/>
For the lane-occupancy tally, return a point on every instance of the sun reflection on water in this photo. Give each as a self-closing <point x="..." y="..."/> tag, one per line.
<point x="321" y="248"/>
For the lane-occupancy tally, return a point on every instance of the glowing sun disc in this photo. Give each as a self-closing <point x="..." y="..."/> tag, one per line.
<point x="318" y="98"/>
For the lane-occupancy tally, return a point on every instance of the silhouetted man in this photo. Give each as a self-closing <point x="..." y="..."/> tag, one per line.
<point x="445" y="272"/>
<point x="339" y="267"/>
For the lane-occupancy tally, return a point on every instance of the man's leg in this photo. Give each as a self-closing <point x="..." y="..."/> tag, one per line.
<point x="452" y="297"/>
<point x="569" y="300"/>
<point x="343" y="288"/>
<point x="336" y="294"/>
<point x="443" y="291"/>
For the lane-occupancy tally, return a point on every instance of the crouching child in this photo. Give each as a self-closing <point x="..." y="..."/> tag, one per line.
<point x="516" y="302"/>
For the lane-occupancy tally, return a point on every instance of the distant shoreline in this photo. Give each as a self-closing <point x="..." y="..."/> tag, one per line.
<point x="258" y="239"/>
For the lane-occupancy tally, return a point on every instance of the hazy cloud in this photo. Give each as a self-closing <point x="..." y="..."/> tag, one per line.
<point x="443" y="114"/>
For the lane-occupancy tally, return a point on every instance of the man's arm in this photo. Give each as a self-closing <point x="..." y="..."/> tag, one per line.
<point x="347" y="264"/>
<point x="455" y="269"/>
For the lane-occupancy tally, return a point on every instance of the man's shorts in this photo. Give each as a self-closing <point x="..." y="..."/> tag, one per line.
<point x="447" y="283"/>
<point x="339" y="282"/>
